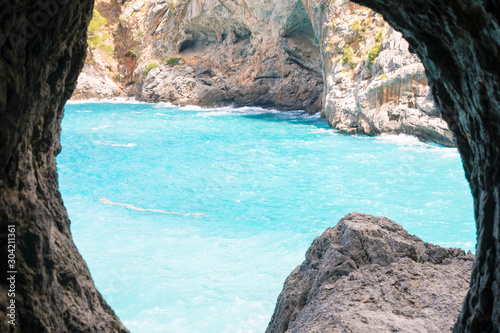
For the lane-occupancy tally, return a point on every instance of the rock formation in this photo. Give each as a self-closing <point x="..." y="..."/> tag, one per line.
<point x="367" y="274"/>
<point x="261" y="53"/>
<point x="373" y="84"/>
<point x="94" y="83"/>
<point x="272" y="54"/>
<point x="458" y="43"/>
<point x="42" y="50"/>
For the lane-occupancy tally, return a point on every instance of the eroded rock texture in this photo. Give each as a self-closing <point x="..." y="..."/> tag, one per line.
<point x="373" y="84"/>
<point x="94" y="83"/>
<point x="260" y="53"/>
<point x="367" y="274"/>
<point x="42" y="49"/>
<point x="459" y="45"/>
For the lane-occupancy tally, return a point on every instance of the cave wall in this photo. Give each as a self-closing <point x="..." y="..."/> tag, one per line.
<point x="459" y="44"/>
<point x="42" y="50"/>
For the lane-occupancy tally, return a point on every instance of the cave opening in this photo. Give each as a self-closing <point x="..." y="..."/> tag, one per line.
<point x="30" y="198"/>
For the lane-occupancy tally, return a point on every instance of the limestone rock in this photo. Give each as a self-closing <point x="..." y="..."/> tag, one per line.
<point x="367" y="274"/>
<point x="373" y="84"/>
<point x="94" y="83"/>
<point x="262" y="53"/>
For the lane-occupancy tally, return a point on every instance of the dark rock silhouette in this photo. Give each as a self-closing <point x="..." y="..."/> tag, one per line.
<point x="42" y="50"/>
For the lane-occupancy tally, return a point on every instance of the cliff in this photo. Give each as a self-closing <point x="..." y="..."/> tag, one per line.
<point x="335" y="57"/>
<point x="373" y="83"/>
<point x="367" y="274"/>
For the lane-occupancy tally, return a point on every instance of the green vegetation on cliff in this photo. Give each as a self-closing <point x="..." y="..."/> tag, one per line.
<point x="97" y="36"/>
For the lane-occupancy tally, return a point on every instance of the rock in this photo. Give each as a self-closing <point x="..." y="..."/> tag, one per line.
<point x="459" y="46"/>
<point x="261" y="54"/>
<point x="94" y="83"/>
<point x="387" y="93"/>
<point x="53" y="289"/>
<point x="367" y="274"/>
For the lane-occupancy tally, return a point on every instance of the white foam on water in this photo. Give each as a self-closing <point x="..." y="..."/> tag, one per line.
<point x="413" y="143"/>
<point x="108" y="202"/>
<point x="224" y="110"/>
<point x="401" y="139"/>
<point x="116" y="100"/>
<point x="100" y="127"/>
<point x="317" y="130"/>
<point x="124" y="145"/>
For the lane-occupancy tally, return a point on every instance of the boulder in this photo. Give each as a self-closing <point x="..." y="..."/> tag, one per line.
<point x="368" y="274"/>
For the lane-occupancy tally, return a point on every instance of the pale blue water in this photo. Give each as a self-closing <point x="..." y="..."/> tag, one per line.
<point x="267" y="184"/>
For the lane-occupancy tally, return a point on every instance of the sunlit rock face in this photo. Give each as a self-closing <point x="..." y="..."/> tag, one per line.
<point x="373" y="84"/>
<point x="261" y="53"/>
<point x="336" y="57"/>
<point x="42" y="49"/>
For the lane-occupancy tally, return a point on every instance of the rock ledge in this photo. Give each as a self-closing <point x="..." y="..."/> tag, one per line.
<point x="367" y="274"/>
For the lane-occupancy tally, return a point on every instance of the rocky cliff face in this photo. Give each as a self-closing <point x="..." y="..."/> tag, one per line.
<point x="336" y="57"/>
<point x="52" y="290"/>
<point x="93" y="82"/>
<point x="211" y="53"/>
<point x="367" y="274"/>
<point x="373" y="84"/>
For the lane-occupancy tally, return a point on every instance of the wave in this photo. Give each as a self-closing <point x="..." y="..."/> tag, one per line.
<point x="214" y="111"/>
<point x="231" y="109"/>
<point x="100" y="127"/>
<point x="116" y="100"/>
<point x="108" y="202"/>
<point x="413" y="143"/>
<point x="401" y="139"/>
<point x="124" y="145"/>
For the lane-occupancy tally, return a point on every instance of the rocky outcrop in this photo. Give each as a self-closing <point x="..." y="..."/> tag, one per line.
<point x="94" y="83"/>
<point x="261" y="53"/>
<point x="42" y="50"/>
<point x="367" y="274"/>
<point x="373" y="84"/>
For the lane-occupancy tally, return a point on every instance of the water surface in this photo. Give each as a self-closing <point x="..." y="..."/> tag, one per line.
<point x="190" y="220"/>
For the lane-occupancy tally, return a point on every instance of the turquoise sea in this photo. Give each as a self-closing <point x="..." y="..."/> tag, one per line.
<point x="191" y="219"/>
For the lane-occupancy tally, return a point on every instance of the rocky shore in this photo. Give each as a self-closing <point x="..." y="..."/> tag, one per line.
<point x="367" y="274"/>
<point x="339" y="58"/>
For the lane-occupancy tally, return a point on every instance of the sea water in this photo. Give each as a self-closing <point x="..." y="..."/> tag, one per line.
<point x="190" y="220"/>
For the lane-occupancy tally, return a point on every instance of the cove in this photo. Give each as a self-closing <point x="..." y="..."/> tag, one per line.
<point x="190" y="220"/>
